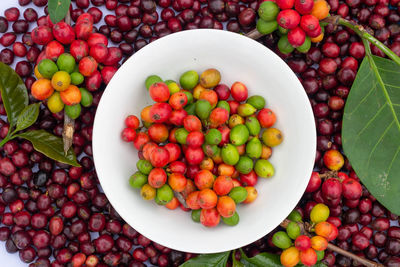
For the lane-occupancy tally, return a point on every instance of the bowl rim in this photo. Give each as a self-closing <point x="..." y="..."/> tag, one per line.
<point x="180" y="35"/>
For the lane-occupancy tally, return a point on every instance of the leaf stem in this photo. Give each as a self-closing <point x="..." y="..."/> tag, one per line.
<point x="5" y="140"/>
<point x="305" y="231"/>
<point x="379" y="79"/>
<point x="337" y="20"/>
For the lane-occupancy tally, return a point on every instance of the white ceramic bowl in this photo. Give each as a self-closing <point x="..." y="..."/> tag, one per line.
<point x="238" y="58"/>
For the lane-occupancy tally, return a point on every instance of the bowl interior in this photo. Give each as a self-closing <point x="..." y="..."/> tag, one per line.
<point x="238" y="58"/>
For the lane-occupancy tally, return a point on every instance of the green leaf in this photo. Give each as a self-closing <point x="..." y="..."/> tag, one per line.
<point x="236" y="263"/>
<point x="58" y="9"/>
<point x="208" y="260"/>
<point x="261" y="260"/>
<point x="50" y="145"/>
<point x="28" y="116"/>
<point x="371" y="129"/>
<point x="13" y="92"/>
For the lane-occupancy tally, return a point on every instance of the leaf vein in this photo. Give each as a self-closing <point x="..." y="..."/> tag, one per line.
<point x="391" y="163"/>
<point x="378" y="142"/>
<point x="371" y="120"/>
<point x="391" y="85"/>
<point x="363" y="99"/>
<point x="387" y="70"/>
<point x="385" y="92"/>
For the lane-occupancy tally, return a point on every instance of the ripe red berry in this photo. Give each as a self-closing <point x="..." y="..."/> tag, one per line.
<point x="351" y="189"/>
<point x="288" y="19"/>
<point x="314" y="183"/>
<point x="303" y="6"/>
<point x="128" y="134"/>
<point x="285" y="4"/>
<point x="315" y="33"/>
<point x="63" y="33"/>
<point x="302" y="242"/>
<point x="159" y="92"/>
<point x="132" y="122"/>
<point x="309" y="23"/>
<point x="296" y="37"/>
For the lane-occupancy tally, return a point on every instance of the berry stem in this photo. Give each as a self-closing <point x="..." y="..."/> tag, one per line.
<point x="329" y="174"/>
<point x="180" y="198"/>
<point x="254" y="34"/>
<point x="69" y="124"/>
<point x="352" y="256"/>
<point x="305" y="231"/>
<point x="337" y="20"/>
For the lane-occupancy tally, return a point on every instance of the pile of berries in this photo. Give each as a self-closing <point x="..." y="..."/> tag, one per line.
<point x="59" y="74"/>
<point x="298" y="22"/>
<point x="306" y="249"/>
<point x="222" y="154"/>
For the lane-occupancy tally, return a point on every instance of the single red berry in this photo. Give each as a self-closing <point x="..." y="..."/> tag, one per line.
<point x="316" y="32"/>
<point x="159" y="92"/>
<point x="351" y="189"/>
<point x="302" y="242"/>
<point x="63" y="33"/>
<point x="79" y="49"/>
<point x="314" y="183"/>
<point x="128" y="134"/>
<point x="288" y="19"/>
<point x="132" y="122"/>
<point x="304" y="6"/>
<point x="285" y="4"/>
<point x="296" y="37"/>
<point x="309" y="23"/>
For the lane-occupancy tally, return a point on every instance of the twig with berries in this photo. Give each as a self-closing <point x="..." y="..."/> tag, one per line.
<point x="306" y="228"/>
<point x="69" y="123"/>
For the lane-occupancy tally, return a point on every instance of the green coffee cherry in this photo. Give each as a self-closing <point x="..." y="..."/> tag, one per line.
<point x="137" y="180"/>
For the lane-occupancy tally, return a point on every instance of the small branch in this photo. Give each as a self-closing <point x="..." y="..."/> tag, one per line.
<point x="254" y="34"/>
<point x="337" y="20"/>
<point x="352" y="256"/>
<point x="305" y="229"/>
<point x="68" y="132"/>
<point x="181" y="199"/>
<point x="69" y="124"/>
<point x="68" y="18"/>
<point x="329" y="174"/>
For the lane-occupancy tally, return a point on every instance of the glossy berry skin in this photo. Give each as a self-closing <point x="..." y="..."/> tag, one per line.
<point x="296" y="37"/>
<point x="309" y="23"/>
<point x="128" y="135"/>
<point x="285" y="4"/>
<point x="288" y="19"/>
<point x="63" y="33"/>
<point x="302" y="242"/>
<point x="79" y="49"/>
<point x="332" y="188"/>
<point x="351" y="189"/>
<point x="99" y="52"/>
<point x="303" y="6"/>
<point x="87" y="66"/>
<point x="42" y="35"/>
<point x="314" y="183"/>
<point x="54" y="49"/>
